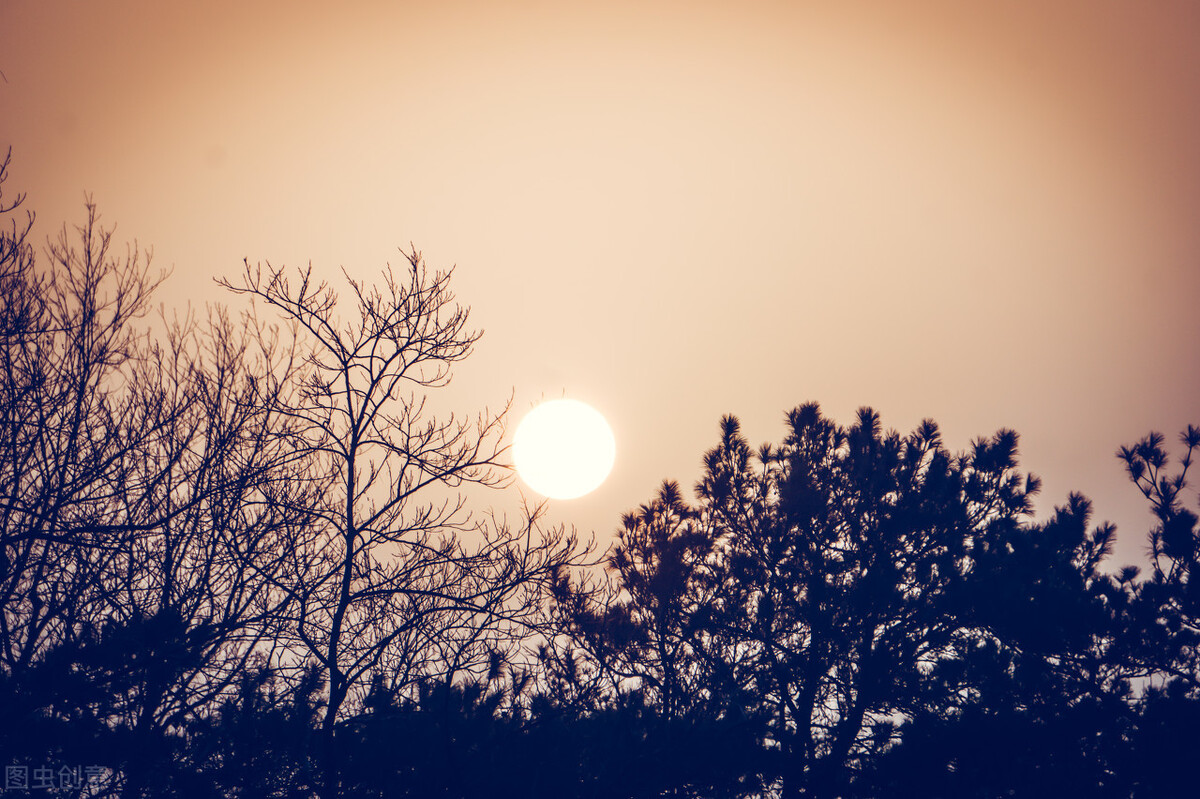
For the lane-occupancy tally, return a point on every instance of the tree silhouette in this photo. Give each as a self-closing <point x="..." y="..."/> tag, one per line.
<point x="1163" y="622"/>
<point x="67" y="443"/>
<point x="145" y="483"/>
<point x="643" y="653"/>
<point x="1033" y="701"/>
<point x="190" y="502"/>
<point x="397" y="578"/>
<point x="845" y="594"/>
<point x="1170" y="597"/>
<point x="847" y="552"/>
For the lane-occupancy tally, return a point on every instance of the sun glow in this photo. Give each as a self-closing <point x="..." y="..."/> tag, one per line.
<point x="564" y="449"/>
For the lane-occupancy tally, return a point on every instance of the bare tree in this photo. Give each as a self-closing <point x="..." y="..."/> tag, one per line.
<point x="67" y="437"/>
<point x="149" y="492"/>
<point x="400" y="580"/>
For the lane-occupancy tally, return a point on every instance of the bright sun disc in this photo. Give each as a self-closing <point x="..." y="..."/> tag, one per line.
<point x="563" y="449"/>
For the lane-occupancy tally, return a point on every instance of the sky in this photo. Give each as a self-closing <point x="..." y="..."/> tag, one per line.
<point x="987" y="214"/>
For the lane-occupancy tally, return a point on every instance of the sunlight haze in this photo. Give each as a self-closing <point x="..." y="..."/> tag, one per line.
<point x="984" y="214"/>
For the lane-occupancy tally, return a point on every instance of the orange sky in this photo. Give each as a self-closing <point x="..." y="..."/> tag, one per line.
<point x="983" y="213"/>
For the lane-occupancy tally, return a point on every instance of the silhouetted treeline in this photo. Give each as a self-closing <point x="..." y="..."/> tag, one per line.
<point x="235" y="561"/>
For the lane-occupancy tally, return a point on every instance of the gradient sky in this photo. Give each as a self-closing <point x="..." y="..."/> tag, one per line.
<point x="985" y="213"/>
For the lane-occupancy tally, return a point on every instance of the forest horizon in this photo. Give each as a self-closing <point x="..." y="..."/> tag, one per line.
<point x="239" y="557"/>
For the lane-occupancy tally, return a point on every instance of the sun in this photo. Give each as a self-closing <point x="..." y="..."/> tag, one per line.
<point x="563" y="449"/>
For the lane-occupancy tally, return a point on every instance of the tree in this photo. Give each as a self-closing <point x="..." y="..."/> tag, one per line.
<point x="846" y="549"/>
<point x="1163" y="622"/>
<point x="823" y="592"/>
<point x="1170" y="599"/>
<point x="185" y="506"/>
<point x="396" y="577"/>
<point x="641" y="654"/>
<point x="67" y="439"/>
<point x="147" y="494"/>
<point x="1034" y="698"/>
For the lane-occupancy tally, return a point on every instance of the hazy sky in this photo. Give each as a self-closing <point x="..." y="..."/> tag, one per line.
<point x="985" y="213"/>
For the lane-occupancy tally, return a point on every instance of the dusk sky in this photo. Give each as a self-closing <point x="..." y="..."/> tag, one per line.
<point x="983" y="213"/>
